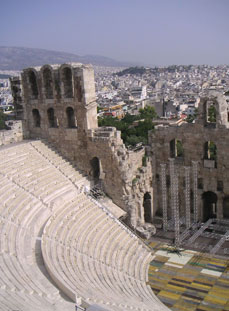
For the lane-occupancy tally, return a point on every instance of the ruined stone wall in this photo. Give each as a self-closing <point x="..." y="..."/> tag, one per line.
<point x="13" y="134"/>
<point x="60" y="106"/>
<point x="212" y="173"/>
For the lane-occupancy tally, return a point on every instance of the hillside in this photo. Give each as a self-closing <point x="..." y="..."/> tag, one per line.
<point x="17" y="58"/>
<point x="131" y="71"/>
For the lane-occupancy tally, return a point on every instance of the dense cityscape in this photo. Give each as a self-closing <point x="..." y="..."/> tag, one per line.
<point x="173" y="91"/>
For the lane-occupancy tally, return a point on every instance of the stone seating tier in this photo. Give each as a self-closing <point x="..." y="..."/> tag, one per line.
<point x="86" y="251"/>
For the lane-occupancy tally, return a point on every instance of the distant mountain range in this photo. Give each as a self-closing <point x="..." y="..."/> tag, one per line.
<point x="17" y="58"/>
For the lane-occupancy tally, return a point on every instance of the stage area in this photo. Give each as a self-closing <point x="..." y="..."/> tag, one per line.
<point x="187" y="280"/>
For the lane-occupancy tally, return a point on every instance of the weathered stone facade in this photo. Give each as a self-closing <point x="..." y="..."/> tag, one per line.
<point x="204" y="143"/>
<point x="60" y="106"/>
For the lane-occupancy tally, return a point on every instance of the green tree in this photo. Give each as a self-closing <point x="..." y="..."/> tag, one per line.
<point x="131" y="134"/>
<point x="180" y="149"/>
<point x="212" y="114"/>
<point x="148" y="113"/>
<point x="212" y="151"/>
<point x="191" y="118"/>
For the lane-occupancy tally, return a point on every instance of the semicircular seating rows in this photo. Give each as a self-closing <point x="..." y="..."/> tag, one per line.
<point x="86" y="251"/>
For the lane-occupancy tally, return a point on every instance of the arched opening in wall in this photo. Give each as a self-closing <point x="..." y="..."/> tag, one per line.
<point x="210" y="152"/>
<point x="226" y="207"/>
<point x="95" y="165"/>
<point x="211" y="113"/>
<point x="33" y="84"/>
<point x="67" y="81"/>
<point x="36" y="118"/>
<point x="147" y="207"/>
<point x="209" y="205"/>
<point x="48" y="83"/>
<point x="176" y="149"/>
<point x="70" y="117"/>
<point x="51" y="118"/>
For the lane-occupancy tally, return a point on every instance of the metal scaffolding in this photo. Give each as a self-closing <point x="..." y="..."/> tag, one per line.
<point x="195" y="198"/>
<point x="172" y="173"/>
<point x="176" y="211"/>
<point x="164" y="197"/>
<point x="174" y="191"/>
<point x="187" y="197"/>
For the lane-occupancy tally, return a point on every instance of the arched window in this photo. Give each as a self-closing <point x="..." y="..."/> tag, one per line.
<point x="70" y="117"/>
<point x="36" y="118"/>
<point x="67" y="81"/>
<point x="51" y="118"/>
<point x="210" y="151"/>
<point x="176" y="149"/>
<point x="48" y="83"/>
<point x="147" y="207"/>
<point x="33" y="84"/>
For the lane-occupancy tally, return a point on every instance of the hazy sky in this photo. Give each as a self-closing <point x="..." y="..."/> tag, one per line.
<point x="156" y="32"/>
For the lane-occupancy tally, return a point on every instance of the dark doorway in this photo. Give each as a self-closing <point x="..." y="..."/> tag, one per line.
<point x="36" y="118"/>
<point x="209" y="205"/>
<point x="147" y="207"/>
<point x="226" y="207"/>
<point x="95" y="168"/>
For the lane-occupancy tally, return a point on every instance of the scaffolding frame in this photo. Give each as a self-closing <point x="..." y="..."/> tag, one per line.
<point x="195" y="193"/>
<point x="164" y="197"/>
<point x="187" y="198"/>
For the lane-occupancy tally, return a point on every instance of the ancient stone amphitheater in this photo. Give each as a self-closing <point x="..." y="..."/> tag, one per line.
<point x="58" y="246"/>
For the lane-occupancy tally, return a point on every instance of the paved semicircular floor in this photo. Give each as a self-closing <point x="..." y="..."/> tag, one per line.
<point x="189" y="281"/>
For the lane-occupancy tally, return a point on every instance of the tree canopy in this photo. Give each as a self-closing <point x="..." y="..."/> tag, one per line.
<point x="134" y="128"/>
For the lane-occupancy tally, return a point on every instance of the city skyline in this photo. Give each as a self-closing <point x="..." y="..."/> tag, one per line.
<point x="157" y="33"/>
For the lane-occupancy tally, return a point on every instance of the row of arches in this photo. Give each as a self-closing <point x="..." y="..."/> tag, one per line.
<point x="177" y="150"/>
<point x="50" y="84"/>
<point x="52" y="119"/>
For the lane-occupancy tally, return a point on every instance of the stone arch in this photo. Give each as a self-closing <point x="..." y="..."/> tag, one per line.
<point x="176" y="148"/>
<point x="48" y="82"/>
<point x="32" y="77"/>
<point x="95" y="166"/>
<point x="36" y="118"/>
<point x="226" y="207"/>
<point x="209" y="205"/>
<point x="147" y="205"/>
<point x="71" y="121"/>
<point x="66" y="76"/>
<point x="51" y="117"/>
<point x="210" y="150"/>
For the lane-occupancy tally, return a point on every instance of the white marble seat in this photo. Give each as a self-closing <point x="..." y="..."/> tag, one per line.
<point x="44" y="219"/>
